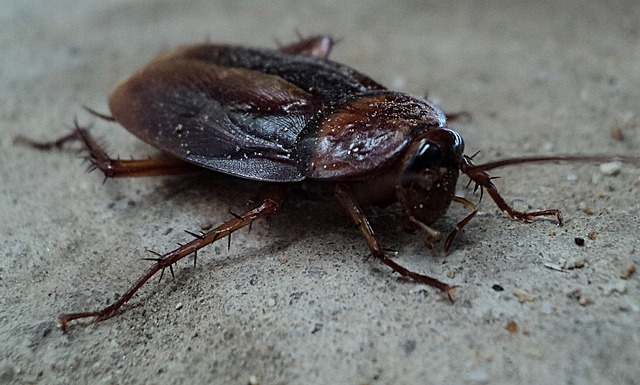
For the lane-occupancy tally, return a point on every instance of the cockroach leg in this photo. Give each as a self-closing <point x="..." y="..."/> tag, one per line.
<point x="97" y="114"/>
<point x="477" y="173"/>
<point x="483" y="180"/>
<point x="266" y="208"/>
<point x="432" y="234"/>
<point x="462" y="223"/>
<point x="45" y="146"/>
<point x="476" y="168"/>
<point x="459" y="116"/>
<point x="317" y="46"/>
<point x="357" y="215"/>
<point x="113" y="168"/>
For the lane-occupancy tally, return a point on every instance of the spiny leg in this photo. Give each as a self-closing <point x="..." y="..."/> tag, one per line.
<point x="268" y="207"/>
<point x="317" y="46"/>
<point x="462" y="223"/>
<point x="458" y="116"/>
<point x="477" y="173"/>
<point x="412" y="223"/>
<point x="432" y="234"/>
<point x="357" y="215"/>
<point x="100" y="115"/>
<point x="46" y="146"/>
<point x="112" y="168"/>
<point x="483" y="180"/>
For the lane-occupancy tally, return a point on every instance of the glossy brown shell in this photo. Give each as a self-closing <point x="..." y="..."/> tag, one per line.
<point x="269" y="115"/>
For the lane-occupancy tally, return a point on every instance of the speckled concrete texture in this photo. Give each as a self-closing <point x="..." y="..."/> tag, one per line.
<point x="297" y="300"/>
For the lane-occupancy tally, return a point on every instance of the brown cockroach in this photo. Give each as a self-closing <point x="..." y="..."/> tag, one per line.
<point x="287" y="116"/>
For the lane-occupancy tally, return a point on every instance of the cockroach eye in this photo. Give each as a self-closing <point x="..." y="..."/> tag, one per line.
<point x="427" y="155"/>
<point x="440" y="147"/>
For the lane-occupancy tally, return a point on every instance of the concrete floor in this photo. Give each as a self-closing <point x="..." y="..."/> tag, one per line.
<point x="297" y="300"/>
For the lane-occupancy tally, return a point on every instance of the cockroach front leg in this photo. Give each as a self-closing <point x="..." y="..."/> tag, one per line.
<point x="462" y="223"/>
<point x="268" y="207"/>
<point x="112" y="168"/>
<point x="357" y="215"/>
<point x="483" y="180"/>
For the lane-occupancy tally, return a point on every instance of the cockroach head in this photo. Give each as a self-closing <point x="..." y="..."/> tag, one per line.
<point x="431" y="167"/>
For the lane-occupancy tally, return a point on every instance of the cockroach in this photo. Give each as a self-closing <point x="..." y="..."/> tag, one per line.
<point x="290" y="116"/>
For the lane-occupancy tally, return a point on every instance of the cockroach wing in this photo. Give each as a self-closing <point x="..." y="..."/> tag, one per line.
<point x="233" y="120"/>
<point x="326" y="80"/>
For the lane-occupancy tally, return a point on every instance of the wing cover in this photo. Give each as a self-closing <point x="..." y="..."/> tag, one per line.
<point x="324" y="79"/>
<point x="234" y="110"/>
<point x="228" y="119"/>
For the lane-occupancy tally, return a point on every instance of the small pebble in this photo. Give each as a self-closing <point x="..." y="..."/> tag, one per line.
<point x="497" y="287"/>
<point x="553" y="266"/>
<point x="628" y="271"/>
<point x="7" y="372"/>
<point x="579" y="241"/>
<point x="575" y="263"/>
<point x="409" y="346"/>
<point x="179" y="306"/>
<point x="523" y="296"/>
<point x="575" y="294"/>
<point x="479" y="375"/>
<point x="617" y="133"/>
<point x="584" y="301"/>
<point x="610" y="288"/>
<point x="611" y="168"/>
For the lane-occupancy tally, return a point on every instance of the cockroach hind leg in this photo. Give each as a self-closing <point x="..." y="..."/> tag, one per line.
<point x="59" y="143"/>
<point x="116" y="168"/>
<point x="167" y="260"/>
<point x="110" y="167"/>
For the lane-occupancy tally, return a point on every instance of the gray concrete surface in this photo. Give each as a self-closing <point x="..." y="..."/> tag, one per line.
<point x="298" y="301"/>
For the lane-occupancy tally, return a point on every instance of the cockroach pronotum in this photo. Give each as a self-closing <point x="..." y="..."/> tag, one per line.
<point x="287" y="116"/>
